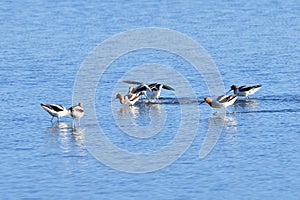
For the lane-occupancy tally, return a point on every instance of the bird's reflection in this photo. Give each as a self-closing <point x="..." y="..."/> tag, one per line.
<point x="140" y="110"/>
<point x="133" y="111"/>
<point x="65" y="134"/>
<point x="142" y="120"/>
<point x="246" y="104"/>
<point x="222" y="121"/>
<point x="155" y="107"/>
<point x="218" y="123"/>
<point x="78" y="135"/>
<point x="60" y="127"/>
<point x="230" y="142"/>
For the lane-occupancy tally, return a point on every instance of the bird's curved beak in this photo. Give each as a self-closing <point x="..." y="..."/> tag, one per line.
<point x="202" y="102"/>
<point x="228" y="91"/>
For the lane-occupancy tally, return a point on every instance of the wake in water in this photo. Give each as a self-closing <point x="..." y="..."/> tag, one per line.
<point x="241" y="105"/>
<point x="169" y="100"/>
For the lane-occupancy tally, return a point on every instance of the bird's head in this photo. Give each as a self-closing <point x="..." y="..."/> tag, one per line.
<point x="119" y="96"/>
<point x="208" y="100"/>
<point x="233" y="87"/>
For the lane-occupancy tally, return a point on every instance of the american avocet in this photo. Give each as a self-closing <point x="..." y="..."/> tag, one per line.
<point x="221" y="102"/>
<point x="151" y="91"/>
<point x="131" y="98"/>
<point x="57" y="111"/>
<point x="77" y="112"/>
<point x="244" y="90"/>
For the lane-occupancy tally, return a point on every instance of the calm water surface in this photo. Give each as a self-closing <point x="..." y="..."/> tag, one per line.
<point x="257" y="154"/>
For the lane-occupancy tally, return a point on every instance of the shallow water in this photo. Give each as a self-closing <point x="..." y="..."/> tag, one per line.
<point x="43" y="46"/>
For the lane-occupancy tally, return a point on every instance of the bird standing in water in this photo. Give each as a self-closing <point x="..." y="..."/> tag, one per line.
<point x="130" y="98"/>
<point x="77" y="112"/>
<point x="244" y="90"/>
<point x="221" y="102"/>
<point x="151" y="91"/>
<point x="55" y="110"/>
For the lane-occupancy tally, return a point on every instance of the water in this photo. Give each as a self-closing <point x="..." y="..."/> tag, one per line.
<point x="256" y="155"/>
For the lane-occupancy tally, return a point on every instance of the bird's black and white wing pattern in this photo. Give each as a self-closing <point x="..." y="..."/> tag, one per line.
<point x="53" y="107"/>
<point x="245" y="88"/>
<point x="151" y="91"/>
<point x="227" y="98"/>
<point x="166" y="87"/>
<point x="133" y="82"/>
<point x="55" y="110"/>
<point x="133" y="96"/>
<point x="142" y="88"/>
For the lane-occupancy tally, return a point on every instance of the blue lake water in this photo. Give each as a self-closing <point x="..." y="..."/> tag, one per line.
<point x="255" y="156"/>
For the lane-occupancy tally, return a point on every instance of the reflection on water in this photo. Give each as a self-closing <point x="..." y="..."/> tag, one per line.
<point x="142" y="120"/>
<point x="140" y="109"/>
<point x="217" y="123"/>
<point x="59" y="127"/>
<point x="246" y="104"/>
<point x="133" y="111"/>
<point x="78" y="135"/>
<point x="229" y="123"/>
<point x="66" y="135"/>
<point x="222" y="121"/>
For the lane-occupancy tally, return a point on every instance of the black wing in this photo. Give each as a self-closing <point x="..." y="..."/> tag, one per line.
<point x="134" y="96"/>
<point x="228" y="98"/>
<point x="152" y="85"/>
<point x="54" y="107"/>
<point x="132" y="82"/>
<point x="245" y="88"/>
<point x="167" y="87"/>
<point x="140" y="89"/>
<point x="156" y="85"/>
<point x="222" y="98"/>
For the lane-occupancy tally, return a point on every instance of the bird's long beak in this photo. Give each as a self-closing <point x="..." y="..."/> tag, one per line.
<point x="228" y="91"/>
<point x="202" y="102"/>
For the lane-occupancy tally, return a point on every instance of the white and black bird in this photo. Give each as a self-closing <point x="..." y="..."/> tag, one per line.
<point x="221" y="102"/>
<point x="77" y="112"/>
<point x="151" y="91"/>
<point x="55" y="110"/>
<point x="244" y="90"/>
<point x="130" y="98"/>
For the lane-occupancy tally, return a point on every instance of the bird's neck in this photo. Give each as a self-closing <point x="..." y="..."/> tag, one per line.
<point x="122" y="100"/>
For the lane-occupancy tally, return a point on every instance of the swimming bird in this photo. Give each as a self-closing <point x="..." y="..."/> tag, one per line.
<point x="221" y="102"/>
<point x="55" y="110"/>
<point x="244" y="90"/>
<point x="151" y="91"/>
<point x="77" y="112"/>
<point x="131" y="98"/>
